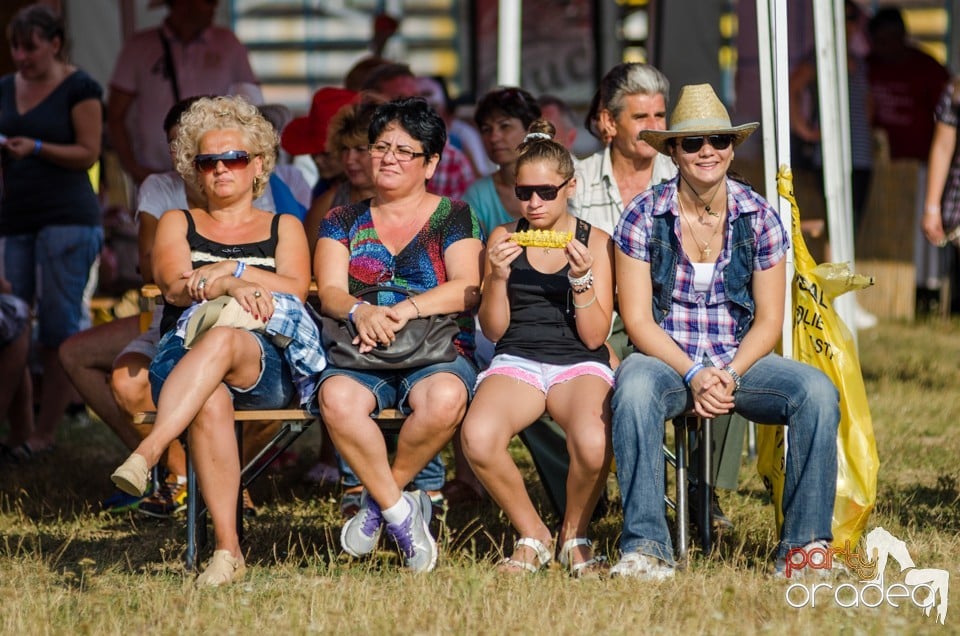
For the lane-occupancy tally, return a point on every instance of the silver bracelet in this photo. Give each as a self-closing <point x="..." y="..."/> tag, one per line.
<point x="582" y="284"/>
<point x="583" y="280"/>
<point x="415" y="305"/>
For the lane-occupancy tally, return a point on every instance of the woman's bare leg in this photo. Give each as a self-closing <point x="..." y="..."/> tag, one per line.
<point x="581" y="407"/>
<point x="213" y="447"/>
<point x="501" y="408"/>
<point x="438" y="404"/>
<point x="223" y="354"/>
<point x="345" y="406"/>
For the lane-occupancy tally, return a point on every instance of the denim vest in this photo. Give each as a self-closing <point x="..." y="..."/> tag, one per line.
<point x="664" y="246"/>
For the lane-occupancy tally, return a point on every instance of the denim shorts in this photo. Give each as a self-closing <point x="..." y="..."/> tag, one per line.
<point x="274" y="389"/>
<point x="64" y="256"/>
<point x="392" y="388"/>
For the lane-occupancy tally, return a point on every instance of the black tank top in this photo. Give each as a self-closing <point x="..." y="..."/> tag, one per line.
<point x="204" y="251"/>
<point x="543" y="327"/>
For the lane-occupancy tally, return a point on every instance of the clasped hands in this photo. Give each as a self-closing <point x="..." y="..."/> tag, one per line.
<point x="712" y="391"/>
<point x="377" y="325"/>
<point x="217" y="279"/>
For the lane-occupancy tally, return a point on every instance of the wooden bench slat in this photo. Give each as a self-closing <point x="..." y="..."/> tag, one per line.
<point x="387" y="415"/>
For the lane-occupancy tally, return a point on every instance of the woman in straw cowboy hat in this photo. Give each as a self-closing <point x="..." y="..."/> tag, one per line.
<point x="701" y="264"/>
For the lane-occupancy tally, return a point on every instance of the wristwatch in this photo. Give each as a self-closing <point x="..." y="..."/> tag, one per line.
<point x="735" y="376"/>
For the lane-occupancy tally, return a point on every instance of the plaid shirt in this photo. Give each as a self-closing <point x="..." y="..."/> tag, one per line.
<point x="703" y="324"/>
<point x="453" y="175"/>
<point x="948" y="113"/>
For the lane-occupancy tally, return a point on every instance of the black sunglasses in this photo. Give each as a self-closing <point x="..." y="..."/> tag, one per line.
<point x="694" y="144"/>
<point x="545" y="192"/>
<point x="232" y="160"/>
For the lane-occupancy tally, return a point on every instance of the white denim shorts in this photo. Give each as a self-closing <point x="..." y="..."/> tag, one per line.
<point x="542" y="375"/>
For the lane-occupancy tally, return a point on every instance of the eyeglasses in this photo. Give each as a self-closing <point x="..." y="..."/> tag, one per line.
<point x="402" y="154"/>
<point x="545" y="192"/>
<point x="232" y="160"/>
<point x="694" y="144"/>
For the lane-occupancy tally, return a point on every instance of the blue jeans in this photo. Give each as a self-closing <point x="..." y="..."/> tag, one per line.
<point x="64" y="256"/>
<point x="392" y="389"/>
<point x="773" y="391"/>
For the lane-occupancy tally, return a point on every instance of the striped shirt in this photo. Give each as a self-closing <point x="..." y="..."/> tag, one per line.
<point x="703" y="323"/>
<point x="597" y="197"/>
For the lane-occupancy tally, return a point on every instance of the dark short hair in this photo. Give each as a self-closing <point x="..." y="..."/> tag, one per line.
<point x="176" y="111"/>
<point x="41" y="19"/>
<point x="512" y="102"/>
<point x="415" y="116"/>
<point x="563" y="107"/>
<point x="888" y="18"/>
<point x="384" y="73"/>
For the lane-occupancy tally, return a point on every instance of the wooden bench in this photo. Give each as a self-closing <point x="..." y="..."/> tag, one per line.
<point x="295" y="423"/>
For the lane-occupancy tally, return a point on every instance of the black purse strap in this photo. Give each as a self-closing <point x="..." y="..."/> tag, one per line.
<point x="168" y="64"/>
<point x="385" y="353"/>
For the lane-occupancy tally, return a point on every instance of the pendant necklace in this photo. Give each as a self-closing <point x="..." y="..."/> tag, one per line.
<point x="707" y="207"/>
<point x="703" y="246"/>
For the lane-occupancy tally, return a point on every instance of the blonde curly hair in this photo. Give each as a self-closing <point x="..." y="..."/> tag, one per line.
<point x="225" y="113"/>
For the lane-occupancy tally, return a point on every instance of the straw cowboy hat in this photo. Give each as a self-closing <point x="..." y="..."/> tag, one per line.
<point x="698" y="112"/>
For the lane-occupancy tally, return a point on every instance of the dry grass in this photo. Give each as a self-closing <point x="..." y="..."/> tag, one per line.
<point x="65" y="568"/>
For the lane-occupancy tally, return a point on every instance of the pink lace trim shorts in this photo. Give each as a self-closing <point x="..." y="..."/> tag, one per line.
<point x="543" y="375"/>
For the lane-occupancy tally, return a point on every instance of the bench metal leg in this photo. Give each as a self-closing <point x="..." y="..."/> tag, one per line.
<point x="238" y="429"/>
<point x="705" y="487"/>
<point x="682" y="507"/>
<point x="193" y="514"/>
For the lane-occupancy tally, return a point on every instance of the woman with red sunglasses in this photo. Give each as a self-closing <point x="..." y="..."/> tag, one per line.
<point x="701" y="270"/>
<point x="549" y="309"/>
<point x="225" y="148"/>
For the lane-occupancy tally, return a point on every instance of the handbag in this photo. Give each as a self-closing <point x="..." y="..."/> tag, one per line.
<point x="421" y="342"/>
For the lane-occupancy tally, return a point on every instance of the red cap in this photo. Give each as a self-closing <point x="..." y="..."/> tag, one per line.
<point x="308" y="135"/>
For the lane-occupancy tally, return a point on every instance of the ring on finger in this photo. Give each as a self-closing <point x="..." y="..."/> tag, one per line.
<point x="202" y="283"/>
<point x="257" y="294"/>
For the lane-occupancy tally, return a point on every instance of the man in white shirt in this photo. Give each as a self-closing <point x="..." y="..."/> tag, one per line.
<point x="185" y="56"/>
<point x="633" y="97"/>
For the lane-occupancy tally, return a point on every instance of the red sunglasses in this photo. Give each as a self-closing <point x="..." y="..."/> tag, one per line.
<point x="232" y="160"/>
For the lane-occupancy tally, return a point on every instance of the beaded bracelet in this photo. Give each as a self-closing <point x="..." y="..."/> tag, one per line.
<point x="238" y="272"/>
<point x="37" y="145"/>
<point x="582" y="284"/>
<point x="694" y="370"/>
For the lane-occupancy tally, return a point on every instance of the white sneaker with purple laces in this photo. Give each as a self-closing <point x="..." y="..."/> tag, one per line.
<point x="362" y="531"/>
<point x="412" y="535"/>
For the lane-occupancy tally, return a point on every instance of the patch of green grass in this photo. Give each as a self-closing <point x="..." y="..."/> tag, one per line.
<point x="66" y="568"/>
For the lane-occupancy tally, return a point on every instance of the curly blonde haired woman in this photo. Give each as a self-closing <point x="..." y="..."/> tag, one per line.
<point x="228" y="248"/>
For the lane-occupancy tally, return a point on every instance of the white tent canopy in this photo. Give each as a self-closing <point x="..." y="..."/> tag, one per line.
<point x="831" y="56"/>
